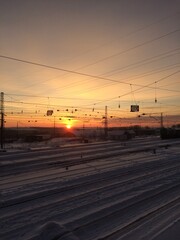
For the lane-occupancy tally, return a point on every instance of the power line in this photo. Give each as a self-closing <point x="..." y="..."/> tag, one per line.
<point x="145" y="86"/>
<point x="157" y="70"/>
<point x="132" y="66"/>
<point x="137" y="77"/>
<point x="132" y="33"/>
<point x="143" y="62"/>
<point x="142" y="87"/>
<point x="85" y="74"/>
<point x="127" y="35"/>
<point x="59" y="69"/>
<point x="132" y="48"/>
<point x="38" y="96"/>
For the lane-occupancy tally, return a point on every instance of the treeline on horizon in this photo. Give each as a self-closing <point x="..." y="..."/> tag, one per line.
<point x="13" y="134"/>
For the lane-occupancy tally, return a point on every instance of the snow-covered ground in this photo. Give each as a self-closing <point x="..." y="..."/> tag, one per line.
<point x="104" y="190"/>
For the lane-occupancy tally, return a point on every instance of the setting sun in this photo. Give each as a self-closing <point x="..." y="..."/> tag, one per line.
<point x="68" y="126"/>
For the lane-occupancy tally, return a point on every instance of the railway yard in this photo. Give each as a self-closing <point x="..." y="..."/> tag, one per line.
<point x="102" y="190"/>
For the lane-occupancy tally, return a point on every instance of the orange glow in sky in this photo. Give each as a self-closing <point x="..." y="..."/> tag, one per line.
<point x="76" y="57"/>
<point x="68" y="126"/>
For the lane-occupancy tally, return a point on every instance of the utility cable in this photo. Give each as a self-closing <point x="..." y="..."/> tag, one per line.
<point x="85" y="74"/>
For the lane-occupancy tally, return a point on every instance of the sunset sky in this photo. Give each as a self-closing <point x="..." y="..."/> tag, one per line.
<point x="77" y="56"/>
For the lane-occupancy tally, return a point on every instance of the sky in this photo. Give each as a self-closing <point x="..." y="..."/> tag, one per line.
<point x="77" y="56"/>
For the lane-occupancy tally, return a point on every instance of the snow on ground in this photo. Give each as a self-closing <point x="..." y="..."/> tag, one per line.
<point x="171" y="232"/>
<point x="105" y="190"/>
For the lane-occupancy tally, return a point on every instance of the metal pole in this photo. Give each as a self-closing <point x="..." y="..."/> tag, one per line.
<point x="54" y="127"/>
<point x="162" y="120"/>
<point x="106" y="123"/>
<point x="17" y="130"/>
<point x="2" y="120"/>
<point x="83" y="131"/>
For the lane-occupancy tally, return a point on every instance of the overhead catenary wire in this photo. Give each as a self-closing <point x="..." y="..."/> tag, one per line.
<point x="131" y="33"/>
<point x="30" y="116"/>
<point x="132" y="48"/>
<point x="152" y="72"/>
<point x="137" y="77"/>
<point x="140" y="29"/>
<point x="85" y="74"/>
<point x="120" y="81"/>
<point x="130" y="66"/>
<point x="142" y="62"/>
<point x="60" y="69"/>
<point x="88" y="75"/>
<point x="145" y="86"/>
<point x="142" y="87"/>
<point x="40" y="96"/>
<point x="134" y="32"/>
<point x="131" y="78"/>
<point x="108" y="84"/>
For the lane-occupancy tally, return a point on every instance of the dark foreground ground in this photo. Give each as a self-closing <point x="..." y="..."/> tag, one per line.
<point x="106" y="190"/>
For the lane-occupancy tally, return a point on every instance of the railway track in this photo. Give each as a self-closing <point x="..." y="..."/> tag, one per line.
<point x="121" y="168"/>
<point x="109" y="198"/>
<point x="64" y="159"/>
<point x="83" y="169"/>
<point x="84" y="222"/>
